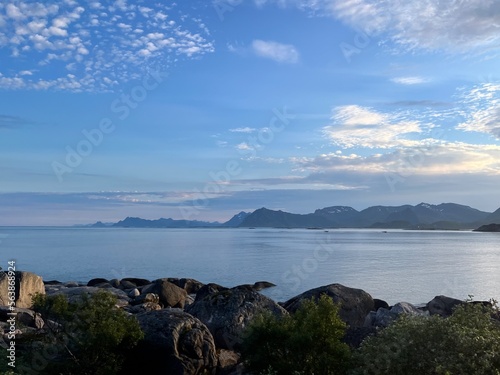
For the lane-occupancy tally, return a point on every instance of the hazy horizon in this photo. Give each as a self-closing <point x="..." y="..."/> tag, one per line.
<point x="199" y="110"/>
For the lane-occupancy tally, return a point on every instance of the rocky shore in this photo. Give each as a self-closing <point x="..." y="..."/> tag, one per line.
<point x="214" y="316"/>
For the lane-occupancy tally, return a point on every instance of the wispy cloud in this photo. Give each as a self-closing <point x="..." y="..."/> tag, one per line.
<point x="243" y="130"/>
<point x="12" y="121"/>
<point x="415" y="80"/>
<point x="454" y="26"/>
<point x="282" y="53"/>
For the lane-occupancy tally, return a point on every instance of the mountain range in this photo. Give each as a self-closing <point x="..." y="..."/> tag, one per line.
<point x="422" y="216"/>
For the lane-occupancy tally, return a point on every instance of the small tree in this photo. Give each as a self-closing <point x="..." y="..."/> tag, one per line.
<point x="307" y="342"/>
<point x="468" y="342"/>
<point x="92" y="334"/>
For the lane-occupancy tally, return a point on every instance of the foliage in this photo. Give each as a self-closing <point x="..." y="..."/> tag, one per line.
<point x="468" y="342"/>
<point x="89" y="337"/>
<point x="307" y="342"/>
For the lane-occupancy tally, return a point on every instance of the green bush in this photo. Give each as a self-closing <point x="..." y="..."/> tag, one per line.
<point x="307" y="342"/>
<point x="88" y="337"/>
<point x="468" y="342"/>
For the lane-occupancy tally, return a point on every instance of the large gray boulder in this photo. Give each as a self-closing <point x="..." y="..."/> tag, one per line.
<point x="175" y="343"/>
<point x="384" y="317"/>
<point x="442" y="305"/>
<point x="355" y="304"/>
<point x="170" y="294"/>
<point x="227" y="313"/>
<point x="74" y="294"/>
<point x="27" y="285"/>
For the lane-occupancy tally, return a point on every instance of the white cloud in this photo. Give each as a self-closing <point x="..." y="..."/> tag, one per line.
<point x="456" y="26"/>
<point x="14" y="12"/>
<point x="116" y="42"/>
<point x="244" y="147"/>
<point x="283" y="53"/>
<point x="414" y="80"/>
<point x="438" y="159"/>
<point x="482" y="110"/>
<point x="356" y="126"/>
<point x="243" y="130"/>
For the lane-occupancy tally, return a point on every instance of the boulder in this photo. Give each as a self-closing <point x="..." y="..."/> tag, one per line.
<point x="227" y="362"/>
<point x="228" y="312"/>
<point x="170" y="294"/>
<point x="146" y="298"/>
<point x="259" y="285"/>
<point x="143" y="307"/>
<point x="208" y="289"/>
<point x="27" y="285"/>
<point x="96" y="281"/>
<point x="174" y="343"/>
<point x="378" y="303"/>
<point x="74" y="294"/>
<point x="136" y="281"/>
<point x="134" y="293"/>
<point x="442" y="305"/>
<point x="125" y="284"/>
<point x="115" y="283"/>
<point x="355" y="304"/>
<point x="384" y="317"/>
<point x="191" y="286"/>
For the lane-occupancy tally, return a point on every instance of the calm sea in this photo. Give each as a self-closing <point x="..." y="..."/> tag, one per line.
<point x="396" y="265"/>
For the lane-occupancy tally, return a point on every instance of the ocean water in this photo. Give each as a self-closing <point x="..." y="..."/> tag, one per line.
<point x="396" y="265"/>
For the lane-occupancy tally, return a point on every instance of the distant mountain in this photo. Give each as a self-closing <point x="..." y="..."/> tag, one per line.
<point x="136" y="222"/>
<point x="279" y="219"/>
<point x="494" y="217"/>
<point x="236" y="220"/>
<point x="421" y="216"/>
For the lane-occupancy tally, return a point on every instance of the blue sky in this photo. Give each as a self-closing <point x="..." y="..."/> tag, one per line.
<point x="202" y="109"/>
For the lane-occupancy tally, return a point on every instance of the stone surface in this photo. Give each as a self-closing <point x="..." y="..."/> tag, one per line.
<point x="73" y="294"/>
<point x="27" y="285"/>
<point x="96" y="281"/>
<point x="442" y="305"/>
<point x="259" y="285"/>
<point x="175" y="343"/>
<point x="144" y="307"/>
<point x="228" y="312"/>
<point x="170" y="294"/>
<point x="145" y="298"/>
<point x="227" y="361"/>
<point x="208" y="289"/>
<point x="355" y="304"/>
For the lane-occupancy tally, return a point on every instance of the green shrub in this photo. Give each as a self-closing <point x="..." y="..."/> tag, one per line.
<point x="88" y="337"/>
<point x="307" y="342"/>
<point x="468" y="342"/>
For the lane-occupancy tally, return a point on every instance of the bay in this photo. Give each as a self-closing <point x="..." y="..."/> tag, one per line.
<point x="396" y="265"/>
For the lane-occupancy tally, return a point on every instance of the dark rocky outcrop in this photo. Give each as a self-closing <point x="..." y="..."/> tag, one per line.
<point x="355" y="304"/>
<point x="228" y="312"/>
<point x="175" y="343"/>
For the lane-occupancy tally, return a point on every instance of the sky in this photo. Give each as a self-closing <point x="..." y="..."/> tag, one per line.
<point x="201" y="109"/>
